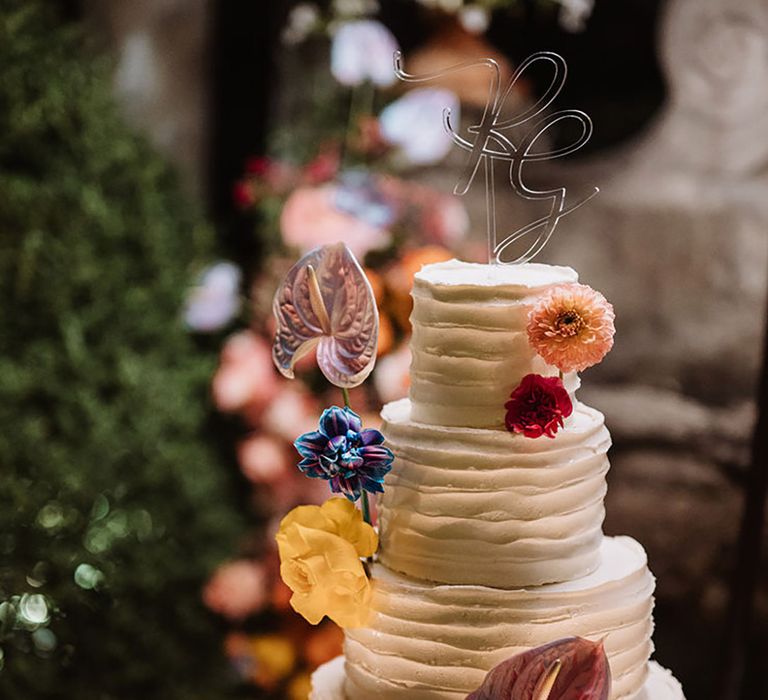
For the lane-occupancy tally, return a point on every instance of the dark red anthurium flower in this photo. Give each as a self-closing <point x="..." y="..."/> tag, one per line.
<point x="568" y="669"/>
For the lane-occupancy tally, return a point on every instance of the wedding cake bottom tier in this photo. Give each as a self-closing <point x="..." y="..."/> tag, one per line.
<point x="328" y="683"/>
<point x="427" y="641"/>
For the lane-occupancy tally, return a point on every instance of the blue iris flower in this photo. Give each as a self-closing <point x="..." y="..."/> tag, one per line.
<point x="351" y="459"/>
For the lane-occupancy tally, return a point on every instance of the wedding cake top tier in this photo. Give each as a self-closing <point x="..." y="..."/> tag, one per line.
<point x="469" y="344"/>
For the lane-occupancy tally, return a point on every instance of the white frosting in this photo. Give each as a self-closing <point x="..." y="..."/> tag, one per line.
<point x="469" y="345"/>
<point x="328" y="683"/>
<point x="487" y="507"/>
<point x="661" y="685"/>
<point x="427" y="641"/>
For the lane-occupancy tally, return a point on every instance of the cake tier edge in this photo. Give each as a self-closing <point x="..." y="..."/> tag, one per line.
<point x="328" y="683"/>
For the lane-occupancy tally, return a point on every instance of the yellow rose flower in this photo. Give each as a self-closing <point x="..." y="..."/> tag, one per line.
<point x="320" y="549"/>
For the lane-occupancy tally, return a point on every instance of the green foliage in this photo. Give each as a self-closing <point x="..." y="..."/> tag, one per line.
<point x="113" y="506"/>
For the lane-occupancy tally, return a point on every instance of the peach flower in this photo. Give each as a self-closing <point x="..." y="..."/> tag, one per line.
<point x="400" y="280"/>
<point x="446" y="220"/>
<point x="311" y="219"/>
<point x="263" y="459"/>
<point x="237" y="589"/>
<point x="377" y="284"/>
<point x="571" y="327"/>
<point x="293" y="411"/>
<point x="386" y="335"/>
<point x="392" y="377"/>
<point x="246" y="377"/>
<point x="291" y="490"/>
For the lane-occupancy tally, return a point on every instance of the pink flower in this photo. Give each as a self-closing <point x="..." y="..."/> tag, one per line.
<point x="293" y="491"/>
<point x="326" y="302"/>
<point x="445" y="220"/>
<point x="292" y="412"/>
<point x="362" y="50"/>
<point x="392" y="376"/>
<point x="414" y="123"/>
<point x="571" y="327"/>
<point x="237" y="589"/>
<point x="310" y="219"/>
<point x="538" y="406"/>
<point x="245" y="378"/>
<point x="263" y="458"/>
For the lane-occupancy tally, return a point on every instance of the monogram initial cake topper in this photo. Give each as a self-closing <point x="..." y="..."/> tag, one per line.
<point x="488" y="142"/>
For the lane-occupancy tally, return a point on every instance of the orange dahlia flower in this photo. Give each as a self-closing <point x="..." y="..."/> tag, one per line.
<point x="571" y="327"/>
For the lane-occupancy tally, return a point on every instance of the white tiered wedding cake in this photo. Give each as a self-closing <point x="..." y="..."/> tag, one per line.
<point x="491" y="542"/>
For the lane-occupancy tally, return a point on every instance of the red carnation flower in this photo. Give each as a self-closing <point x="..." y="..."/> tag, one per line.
<point x="538" y="406"/>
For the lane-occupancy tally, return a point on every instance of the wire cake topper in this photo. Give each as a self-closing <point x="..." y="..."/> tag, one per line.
<point x="491" y="144"/>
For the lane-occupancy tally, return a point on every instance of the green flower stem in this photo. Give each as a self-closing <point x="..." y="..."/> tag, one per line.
<point x="366" y="507"/>
<point x="367" y="518"/>
<point x="361" y="103"/>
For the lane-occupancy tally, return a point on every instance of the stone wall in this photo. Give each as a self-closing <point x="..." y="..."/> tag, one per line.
<point x="162" y="74"/>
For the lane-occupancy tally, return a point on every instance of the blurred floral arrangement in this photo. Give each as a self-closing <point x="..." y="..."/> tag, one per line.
<point x="307" y="18"/>
<point x="352" y="188"/>
<point x="347" y="180"/>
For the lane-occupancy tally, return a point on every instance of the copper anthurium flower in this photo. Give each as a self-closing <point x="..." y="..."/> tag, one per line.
<point x="327" y="301"/>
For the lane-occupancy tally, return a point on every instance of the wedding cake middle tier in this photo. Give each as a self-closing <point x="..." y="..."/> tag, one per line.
<point x="483" y="507"/>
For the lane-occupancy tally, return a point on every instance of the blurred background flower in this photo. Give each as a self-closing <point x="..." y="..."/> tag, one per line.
<point x="215" y="300"/>
<point x="413" y="124"/>
<point x="362" y="51"/>
<point x="237" y="589"/>
<point x="311" y="217"/>
<point x="245" y="379"/>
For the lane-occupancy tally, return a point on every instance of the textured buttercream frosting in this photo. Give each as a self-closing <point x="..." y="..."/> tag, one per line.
<point x="487" y="507"/>
<point x="491" y="543"/>
<point x="469" y="345"/>
<point x="427" y="641"/>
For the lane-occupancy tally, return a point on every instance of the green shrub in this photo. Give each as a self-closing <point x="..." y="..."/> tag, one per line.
<point x="113" y="505"/>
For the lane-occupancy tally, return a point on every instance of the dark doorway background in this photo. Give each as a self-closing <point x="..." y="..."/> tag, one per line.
<point x="614" y="75"/>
